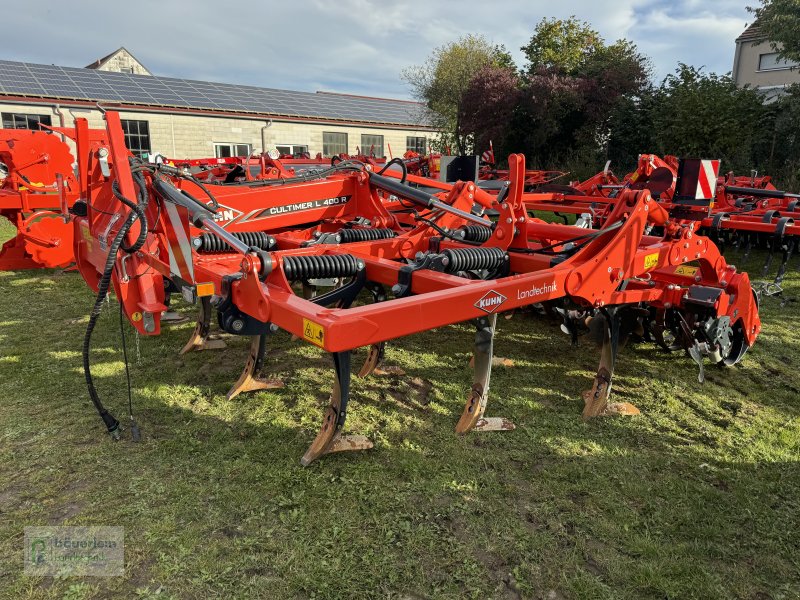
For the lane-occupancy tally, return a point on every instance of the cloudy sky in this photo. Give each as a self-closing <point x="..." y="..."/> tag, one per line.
<point x="354" y="46"/>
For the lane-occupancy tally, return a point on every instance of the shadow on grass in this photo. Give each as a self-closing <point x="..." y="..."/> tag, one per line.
<point x="696" y="497"/>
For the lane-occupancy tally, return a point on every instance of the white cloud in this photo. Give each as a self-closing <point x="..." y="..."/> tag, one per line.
<point x="356" y="46"/>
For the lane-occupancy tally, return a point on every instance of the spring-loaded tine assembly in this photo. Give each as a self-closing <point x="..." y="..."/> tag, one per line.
<point x="249" y="380"/>
<point x="330" y="438"/>
<point x="472" y="418"/>
<point x="200" y="338"/>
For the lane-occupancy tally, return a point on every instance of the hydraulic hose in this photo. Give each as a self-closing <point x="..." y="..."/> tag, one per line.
<point x="396" y="161"/>
<point x="137" y="212"/>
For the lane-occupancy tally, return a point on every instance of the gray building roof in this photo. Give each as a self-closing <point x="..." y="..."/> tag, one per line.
<point x="36" y="81"/>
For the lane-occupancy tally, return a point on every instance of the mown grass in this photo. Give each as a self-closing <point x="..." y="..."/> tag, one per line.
<point x="695" y="498"/>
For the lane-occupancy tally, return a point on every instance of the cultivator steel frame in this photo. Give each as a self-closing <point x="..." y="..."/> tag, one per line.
<point x="354" y="257"/>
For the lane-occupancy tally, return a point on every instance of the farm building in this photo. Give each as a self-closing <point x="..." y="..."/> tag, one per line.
<point x="183" y="118"/>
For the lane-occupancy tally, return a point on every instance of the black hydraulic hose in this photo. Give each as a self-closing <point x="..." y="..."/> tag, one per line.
<point x="396" y="161"/>
<point x="138" y="209"/>
<point x="175" y="172"/>
<point x="111" y="423"/>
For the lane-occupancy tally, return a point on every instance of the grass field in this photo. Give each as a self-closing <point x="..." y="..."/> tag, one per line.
<point x="695" y="498"/>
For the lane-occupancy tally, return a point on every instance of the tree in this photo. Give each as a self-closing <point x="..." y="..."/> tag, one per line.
<point x="706" y="115"/>
<point x="573" y="84"/>
<point x="561" y="44"/>
<point x="488" y="106"/>
<point x="442" y="82"/>
<point x="779" y="21"/>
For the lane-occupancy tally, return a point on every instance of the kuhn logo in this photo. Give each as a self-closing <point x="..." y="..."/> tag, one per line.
<point x="490" y="301"/>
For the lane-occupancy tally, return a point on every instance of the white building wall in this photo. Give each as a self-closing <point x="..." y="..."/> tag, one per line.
<point x="193" y="136"/>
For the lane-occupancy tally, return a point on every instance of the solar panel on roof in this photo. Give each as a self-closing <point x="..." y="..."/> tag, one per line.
<point x="69" y="82"/>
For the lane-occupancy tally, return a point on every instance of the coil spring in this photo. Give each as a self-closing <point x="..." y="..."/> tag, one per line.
<point x="321" y="266"/>
<point x="208" y="242"/>
<point x="475" y="233"/>
<point x="474" y="259"/>
<point x="364" y="235"/>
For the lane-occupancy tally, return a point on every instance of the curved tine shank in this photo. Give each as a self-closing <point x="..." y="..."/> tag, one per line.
<point x="199" y="339"/>
<point x="249" y="381"/>
<point x="472" y="417"/>
<point x="330" y="439"/>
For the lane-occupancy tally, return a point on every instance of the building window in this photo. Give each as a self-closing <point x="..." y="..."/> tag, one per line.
<point x="372" y="145"/>
<point x="137" y="136"/>
<point x="22" y="121"/>
<point x="225" y="150"/>
<point x="417" y="144"/>
<point x="333" y="143"/>
<point x="126" y="70"/>
<point x="293" y="150"/>
<point x="771" y="62"/>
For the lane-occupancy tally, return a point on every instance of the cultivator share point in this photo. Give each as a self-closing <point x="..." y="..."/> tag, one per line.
<point x="355" y="255"/>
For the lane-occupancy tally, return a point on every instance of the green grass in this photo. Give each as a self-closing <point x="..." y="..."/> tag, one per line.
<point x="695" y="498"/>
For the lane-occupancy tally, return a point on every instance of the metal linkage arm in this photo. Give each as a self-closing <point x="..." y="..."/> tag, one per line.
<point x="420" y="197"/>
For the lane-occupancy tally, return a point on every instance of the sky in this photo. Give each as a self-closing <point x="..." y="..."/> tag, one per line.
<point x="349" y="46"/>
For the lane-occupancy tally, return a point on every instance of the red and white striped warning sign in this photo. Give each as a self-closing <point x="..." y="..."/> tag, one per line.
<point x="180" y="245"/>
<point x="707" y="179"/>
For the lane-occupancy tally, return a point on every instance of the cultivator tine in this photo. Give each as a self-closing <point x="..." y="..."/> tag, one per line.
<point x="330" y="439"/>
<point x="472" y="418"/>
<point x="786" y="248"/>
<point x="200" y="339"/>
<point x="374" y="358"/>
<point x="249" y="380"/>
<point x="785" y="243"/>
<point x="596" y="399"/>
<point x="748" y="245"/>
<point x="377" y="352"/>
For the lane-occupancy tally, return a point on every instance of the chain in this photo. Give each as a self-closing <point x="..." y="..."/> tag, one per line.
<point x="138" y="351"/>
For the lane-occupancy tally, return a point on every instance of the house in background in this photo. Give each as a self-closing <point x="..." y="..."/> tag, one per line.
<point x="120" y="61"/>
<point x="183" y="118"/>
<point x="756" y="63"/>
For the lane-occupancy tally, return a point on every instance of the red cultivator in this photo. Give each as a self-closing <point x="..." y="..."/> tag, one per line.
<point x="36" y="188"/>
<point x="744" y="212"/>
<point x="326" y="259"/>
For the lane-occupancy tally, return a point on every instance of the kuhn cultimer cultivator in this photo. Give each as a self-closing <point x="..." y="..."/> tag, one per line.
<point x="302" y="254"/>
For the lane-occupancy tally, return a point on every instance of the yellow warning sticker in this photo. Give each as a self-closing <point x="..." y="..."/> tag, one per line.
<point x="136" y="317"/>
<point x="651" y="260"/>
<point x="313" y="333"/>
<point x="686" y="270"/>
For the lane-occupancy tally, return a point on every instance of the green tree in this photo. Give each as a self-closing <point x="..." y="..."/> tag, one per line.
<point x="574" y="83"/>
<point x="706" y="115"/>
<point x="563" y="44"/>
<point x="441" y="83"/>
<point x="779" y="21"/>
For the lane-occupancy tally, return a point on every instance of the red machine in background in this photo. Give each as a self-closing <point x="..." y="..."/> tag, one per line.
<point x="37" y="185"/>
<point x="325" y="258"/>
